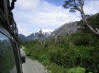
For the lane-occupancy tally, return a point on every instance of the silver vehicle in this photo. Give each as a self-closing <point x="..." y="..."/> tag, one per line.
<point x="10" y="58"/>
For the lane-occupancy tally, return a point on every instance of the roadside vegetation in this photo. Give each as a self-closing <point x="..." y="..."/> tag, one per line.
<point x="75" y="53"/>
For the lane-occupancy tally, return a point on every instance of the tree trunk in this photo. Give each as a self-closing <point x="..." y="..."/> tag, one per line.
<point x="86" y="22"/>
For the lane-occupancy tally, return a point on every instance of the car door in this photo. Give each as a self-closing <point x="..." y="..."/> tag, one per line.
<point x="7" y="56"/>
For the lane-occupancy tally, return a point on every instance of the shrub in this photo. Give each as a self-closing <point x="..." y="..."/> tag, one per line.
<point x="76" y="70"/>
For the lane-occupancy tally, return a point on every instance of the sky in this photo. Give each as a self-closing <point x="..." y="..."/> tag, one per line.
<point x="48" y="15"/>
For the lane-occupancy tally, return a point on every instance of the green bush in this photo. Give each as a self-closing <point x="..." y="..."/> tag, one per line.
<point x="75" y="56"/>
<point x="83" y="39"/>
<point x="76" y="70"/>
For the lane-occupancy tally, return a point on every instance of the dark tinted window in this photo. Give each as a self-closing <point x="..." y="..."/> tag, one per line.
<point x="7" y="59"/>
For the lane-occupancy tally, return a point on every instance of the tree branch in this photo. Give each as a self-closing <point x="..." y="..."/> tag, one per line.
<point x="85" y="20"/>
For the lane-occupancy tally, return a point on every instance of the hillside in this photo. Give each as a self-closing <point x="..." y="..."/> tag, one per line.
<point x="22" y="37"/>
<point x="67" y="28"/>
<point x="34" y="36"/>
<point x="31" y="37"/>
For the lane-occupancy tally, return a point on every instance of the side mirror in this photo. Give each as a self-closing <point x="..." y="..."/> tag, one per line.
<point x="23" y="59"/>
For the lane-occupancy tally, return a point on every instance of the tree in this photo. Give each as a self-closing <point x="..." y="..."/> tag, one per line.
<point x="78" y="5"/>
<point x="40" y="35"/>
<point x="42" y="40"/>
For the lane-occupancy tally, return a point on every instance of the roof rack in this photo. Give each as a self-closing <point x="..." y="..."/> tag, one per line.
<point x="6" y="17"/>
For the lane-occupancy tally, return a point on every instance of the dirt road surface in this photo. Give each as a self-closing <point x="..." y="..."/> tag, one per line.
<point x="32" y="66"/>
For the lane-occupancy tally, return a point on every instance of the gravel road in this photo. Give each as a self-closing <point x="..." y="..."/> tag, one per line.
<point x="32" y="66"/>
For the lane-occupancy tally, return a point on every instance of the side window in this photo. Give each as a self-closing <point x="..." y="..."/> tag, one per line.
<point x="7" y="59"/>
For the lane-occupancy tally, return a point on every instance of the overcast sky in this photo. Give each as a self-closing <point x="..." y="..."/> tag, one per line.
<point x="32" y="15"/>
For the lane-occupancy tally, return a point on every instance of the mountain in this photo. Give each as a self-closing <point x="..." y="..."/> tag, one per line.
<point x="38" y="36"/>
<point x="31" y="37"/>
<point x="34" y="36"/>
<point x="22" y="37"/>
<point x="67" y="28"/>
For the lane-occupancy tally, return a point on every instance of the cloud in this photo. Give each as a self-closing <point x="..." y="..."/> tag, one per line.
<point x="91" y="7"/>
<point x="45" y="30"/>
<point x="32" y="15"/>
<point x="27" y="4"/>
<point x="51" y="15"/>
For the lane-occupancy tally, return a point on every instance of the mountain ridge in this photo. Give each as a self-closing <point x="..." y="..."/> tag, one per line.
<point x="65" y="29"/>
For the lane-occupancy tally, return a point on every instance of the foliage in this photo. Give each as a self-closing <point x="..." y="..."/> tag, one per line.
<point x="76" y="70"/>
<point x="84" y="39"/>
<point x="75" y="53"/>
